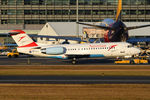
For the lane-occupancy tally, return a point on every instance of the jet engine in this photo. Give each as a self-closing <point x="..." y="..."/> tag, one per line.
<point x="54" y="50"/>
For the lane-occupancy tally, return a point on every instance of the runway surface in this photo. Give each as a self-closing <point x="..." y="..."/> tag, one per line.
<point x="24" y="60"/>
<point x="75" y="79"/>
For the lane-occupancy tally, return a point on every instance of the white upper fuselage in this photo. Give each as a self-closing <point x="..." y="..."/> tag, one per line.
<point x="64" y="51"/>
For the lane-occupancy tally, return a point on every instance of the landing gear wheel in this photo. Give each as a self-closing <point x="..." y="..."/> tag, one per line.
<point x="9" y="56"/>
<point x="132" y="62"/>
<point x="15" y="56"/>
<point x="74" y="60"/>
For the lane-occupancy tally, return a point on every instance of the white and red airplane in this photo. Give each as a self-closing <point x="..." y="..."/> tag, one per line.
<point x="72" y="51"/>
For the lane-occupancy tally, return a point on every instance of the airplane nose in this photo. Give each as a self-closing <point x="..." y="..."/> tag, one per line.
<point x="138" y="50"/>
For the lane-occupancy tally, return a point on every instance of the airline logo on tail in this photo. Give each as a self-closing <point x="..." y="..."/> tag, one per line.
<point x="22" y="39"/>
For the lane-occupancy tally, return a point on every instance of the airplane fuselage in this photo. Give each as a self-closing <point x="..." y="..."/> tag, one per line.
<point x="69" y="51"/>
<point x="72" y="51"/>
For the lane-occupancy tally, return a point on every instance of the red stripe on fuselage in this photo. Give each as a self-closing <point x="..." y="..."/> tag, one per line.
<point x="33" y="44"/>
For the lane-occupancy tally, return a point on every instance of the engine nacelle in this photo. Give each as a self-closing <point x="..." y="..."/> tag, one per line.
<point x="54" y="50"/>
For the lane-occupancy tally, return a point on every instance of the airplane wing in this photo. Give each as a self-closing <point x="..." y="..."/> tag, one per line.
<point x="97" y="26"/>
<point x="58" y="37"/>
<point x="13" y="32"/>
<point x="136" y="27"/>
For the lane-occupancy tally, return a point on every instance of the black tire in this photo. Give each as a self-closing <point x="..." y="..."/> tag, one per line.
<point x="132" y="62"/>
<point x="9" y="56"/>
<point x="73" y="62"/>
<point x="15" y="56"/>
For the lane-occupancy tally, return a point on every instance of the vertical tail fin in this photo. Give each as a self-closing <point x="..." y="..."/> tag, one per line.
<point x="22" y="39"/>
<point x="119" y="9"/>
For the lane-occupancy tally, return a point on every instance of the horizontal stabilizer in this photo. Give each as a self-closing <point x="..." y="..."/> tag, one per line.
<point x="136" y="27"/>
<point x="97" y="26"/>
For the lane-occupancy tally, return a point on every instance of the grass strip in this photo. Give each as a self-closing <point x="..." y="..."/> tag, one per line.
<point x="74" y="92"/>
<point x="110" y="70"/>
<point x="71" y="72"/>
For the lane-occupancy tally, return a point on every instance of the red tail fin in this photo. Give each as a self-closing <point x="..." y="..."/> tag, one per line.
<point x="22" y="39"/>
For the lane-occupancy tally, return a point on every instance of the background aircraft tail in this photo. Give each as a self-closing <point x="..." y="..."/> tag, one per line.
<point x="119" y="9"/>
<point x="22" y="39"/>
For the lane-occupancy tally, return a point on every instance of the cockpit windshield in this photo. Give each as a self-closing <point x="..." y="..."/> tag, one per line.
<point x="130" y="46"/>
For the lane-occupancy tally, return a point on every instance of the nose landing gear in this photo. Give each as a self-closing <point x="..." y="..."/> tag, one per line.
<point x="74" y="61"/>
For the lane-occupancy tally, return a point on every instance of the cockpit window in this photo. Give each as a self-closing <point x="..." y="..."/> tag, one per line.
<point x="129" y="46"/>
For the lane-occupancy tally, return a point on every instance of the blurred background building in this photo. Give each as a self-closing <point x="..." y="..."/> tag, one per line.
<point x="32" y="15"/>
<point x="26" y="13"/>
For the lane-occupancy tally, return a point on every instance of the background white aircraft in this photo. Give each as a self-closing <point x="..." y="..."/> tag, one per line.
<point x="71" y="51"/>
